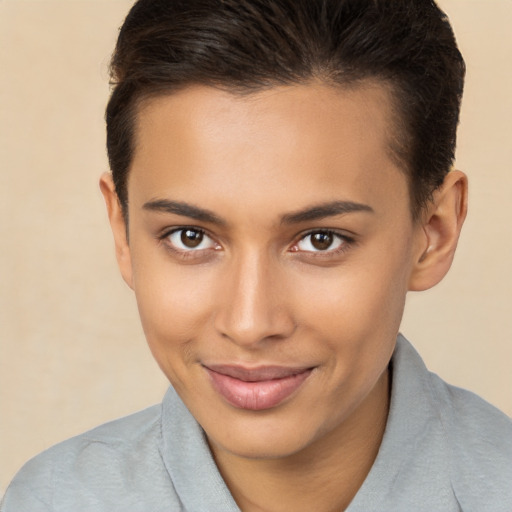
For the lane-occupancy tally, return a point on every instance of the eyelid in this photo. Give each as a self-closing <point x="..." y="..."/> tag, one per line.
<point x="347" y="242"/>
<point x="165" y="235"/>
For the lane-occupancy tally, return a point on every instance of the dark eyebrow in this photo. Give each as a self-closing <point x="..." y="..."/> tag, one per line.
<point x="183" y="209"/>
<point x="315" y="212"/>
<point x="321" y="211"/>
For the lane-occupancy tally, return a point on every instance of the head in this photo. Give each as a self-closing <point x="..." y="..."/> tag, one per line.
<point x="280" y="180"/>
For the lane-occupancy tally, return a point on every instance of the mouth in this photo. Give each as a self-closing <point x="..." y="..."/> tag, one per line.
<point x="256" y="389"/>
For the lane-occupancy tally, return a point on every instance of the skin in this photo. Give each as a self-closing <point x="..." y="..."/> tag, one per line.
<point x="258" y="292"/>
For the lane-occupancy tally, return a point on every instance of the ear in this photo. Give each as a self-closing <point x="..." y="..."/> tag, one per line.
<point x="119" y="228"/>
<point x="439" y="232"/>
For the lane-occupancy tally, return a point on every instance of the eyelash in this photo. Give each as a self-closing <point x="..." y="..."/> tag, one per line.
<point x="183" y="253"/>
<point x="346" y="243"/>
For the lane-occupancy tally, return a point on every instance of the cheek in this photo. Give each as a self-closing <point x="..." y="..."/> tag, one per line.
<point x="173" y="301"/>
<point x="357" y="302"/>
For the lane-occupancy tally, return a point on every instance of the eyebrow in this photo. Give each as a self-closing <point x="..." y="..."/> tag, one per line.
<point x="183" y="209"/>
<point x="315" y="212"/>
<point x="321" y="211"/>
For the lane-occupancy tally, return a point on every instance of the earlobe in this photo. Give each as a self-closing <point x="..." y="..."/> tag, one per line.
<point x="118" y="225"/>
<point x="440" y="230"/>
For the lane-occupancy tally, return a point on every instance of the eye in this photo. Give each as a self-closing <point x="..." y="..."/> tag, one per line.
<point x="320" y="241"/>
<point x="190" y="239"/>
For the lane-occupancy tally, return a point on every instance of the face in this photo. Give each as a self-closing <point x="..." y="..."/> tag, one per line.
<point x="270" y="250"/>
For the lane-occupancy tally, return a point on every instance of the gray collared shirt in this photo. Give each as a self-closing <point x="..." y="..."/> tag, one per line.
<point x="444" y="450"/>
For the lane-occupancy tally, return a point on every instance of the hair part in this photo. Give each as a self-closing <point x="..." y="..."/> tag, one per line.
<point x="245" y="46"/>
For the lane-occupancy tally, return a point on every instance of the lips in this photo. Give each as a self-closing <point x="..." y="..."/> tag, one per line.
<point x="256" y="389"/>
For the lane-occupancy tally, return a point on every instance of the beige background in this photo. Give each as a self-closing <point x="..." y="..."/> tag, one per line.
<point x="72" y="351"/>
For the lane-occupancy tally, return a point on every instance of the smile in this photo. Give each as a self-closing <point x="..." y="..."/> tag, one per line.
<point x="257" y="389"/>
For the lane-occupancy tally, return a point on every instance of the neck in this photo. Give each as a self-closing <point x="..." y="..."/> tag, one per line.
<point x="325" y="476"/>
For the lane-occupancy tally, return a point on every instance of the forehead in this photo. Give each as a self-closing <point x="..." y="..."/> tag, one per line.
<point x="313" y="140"/>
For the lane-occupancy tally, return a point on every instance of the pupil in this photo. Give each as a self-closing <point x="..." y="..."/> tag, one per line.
<point x="191" y="238"/>
<point x="321" y="241"/>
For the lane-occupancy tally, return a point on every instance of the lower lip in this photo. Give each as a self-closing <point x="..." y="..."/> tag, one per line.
<point x="256" y="396"/>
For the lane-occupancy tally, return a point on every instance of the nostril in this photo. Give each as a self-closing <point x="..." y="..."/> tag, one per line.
<point x="248" y="330"/>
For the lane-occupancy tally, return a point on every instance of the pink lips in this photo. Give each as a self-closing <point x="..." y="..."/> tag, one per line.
<point x="257" y="389"/>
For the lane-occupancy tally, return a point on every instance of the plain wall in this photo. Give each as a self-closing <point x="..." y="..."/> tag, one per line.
<point x="72" y="351"/>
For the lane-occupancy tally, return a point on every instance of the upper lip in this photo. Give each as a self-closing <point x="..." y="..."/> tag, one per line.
<point x="261" y="373"/>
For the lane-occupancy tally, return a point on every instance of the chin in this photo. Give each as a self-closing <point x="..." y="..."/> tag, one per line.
<point x="264" y="437"/>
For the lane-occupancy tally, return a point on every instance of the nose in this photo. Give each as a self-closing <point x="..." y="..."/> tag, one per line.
<point x="253" y="308"/>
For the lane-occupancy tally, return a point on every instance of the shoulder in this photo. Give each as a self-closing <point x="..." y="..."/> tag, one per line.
<point x="479" y="440"/>
<point x="113" y="441"/>
<point x="443" y="448"/>
<point x="104" y="465"/>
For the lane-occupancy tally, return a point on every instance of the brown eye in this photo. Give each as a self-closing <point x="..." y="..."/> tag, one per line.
<point x="191" y="238"/>
<point x="321" y="241"/>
